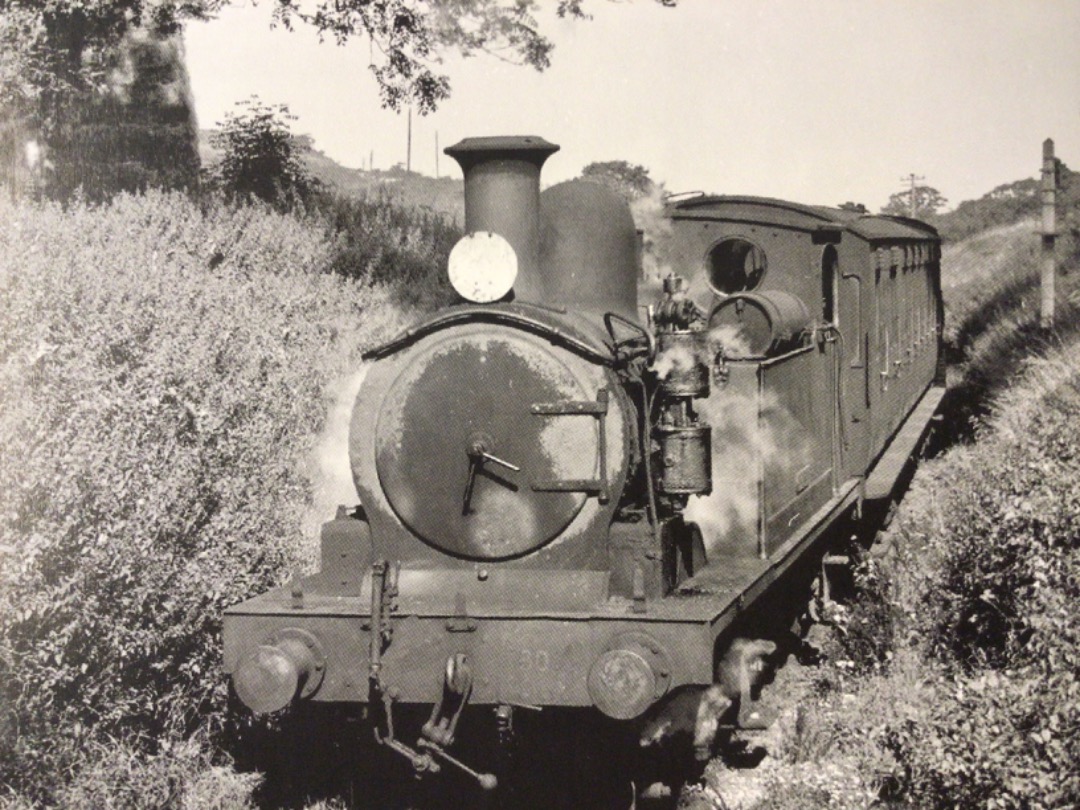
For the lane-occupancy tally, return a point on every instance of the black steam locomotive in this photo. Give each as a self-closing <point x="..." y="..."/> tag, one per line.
<point x="569" y="499"/>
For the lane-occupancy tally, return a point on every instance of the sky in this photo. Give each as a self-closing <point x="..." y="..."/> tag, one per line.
<point x="817" y="102"/>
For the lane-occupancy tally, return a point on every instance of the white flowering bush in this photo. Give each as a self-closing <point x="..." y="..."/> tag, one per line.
<point x="165" y="370"/>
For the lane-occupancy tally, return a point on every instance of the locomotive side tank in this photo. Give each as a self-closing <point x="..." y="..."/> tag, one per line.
<point x="568" y="499"/>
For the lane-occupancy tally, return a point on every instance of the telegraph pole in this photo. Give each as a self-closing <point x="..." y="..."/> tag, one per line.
<point x="912" y="179"/>
<point x="408" y="144"/>
<point x="1049" y="233"/>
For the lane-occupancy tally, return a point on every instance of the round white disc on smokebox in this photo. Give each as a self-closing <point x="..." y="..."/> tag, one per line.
<point x="482" y="267"/>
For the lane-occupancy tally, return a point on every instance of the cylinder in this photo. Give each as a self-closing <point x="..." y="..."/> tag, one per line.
<point x="502" y="195"/>
<point x="685" y="459"/>
<point x="679" y="359"/>
<point x="765" y="323"/>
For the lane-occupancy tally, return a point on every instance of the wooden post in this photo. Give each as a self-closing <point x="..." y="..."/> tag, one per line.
<point x="1049" y="233"/>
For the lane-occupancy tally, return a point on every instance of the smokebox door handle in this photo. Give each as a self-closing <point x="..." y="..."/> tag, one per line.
<point x="598" y="408"/>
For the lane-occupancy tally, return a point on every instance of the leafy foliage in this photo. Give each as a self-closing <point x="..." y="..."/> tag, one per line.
<point x="992" y="589"/>
<point x="1014" y="202"/>
<point x="167" y="371"/>
<point x="378" y="239"/>
<point x="631" y="180"/>
<point x="138" y="132"/>
<point x="113" y="114"/>
<point x="54" y="52"/>
<point x="262" y="159"/>
<point x="410" y="34"/>
<point x="64" y="46"/>
<point x="955" y="679"/>
<point x="918" y="202"/>
<point x="854" y="207"/>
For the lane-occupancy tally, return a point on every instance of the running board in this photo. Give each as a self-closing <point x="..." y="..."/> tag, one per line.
<point x="890" y="466"/>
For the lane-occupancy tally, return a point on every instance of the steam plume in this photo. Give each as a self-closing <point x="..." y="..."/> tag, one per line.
<point x="749" y="443"/>
<point x="649" y="218"/>
<point x="332" y="475"/>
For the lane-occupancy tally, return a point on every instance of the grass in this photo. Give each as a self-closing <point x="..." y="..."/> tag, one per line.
<point x="992" y="294"/>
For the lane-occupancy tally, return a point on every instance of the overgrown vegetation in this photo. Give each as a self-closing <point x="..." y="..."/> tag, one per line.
<point x="378" y="239"/>
<point x="954" y="679"/>
<point x="57" y="57"/>
<point x="1010" y="203"/>
<point x="375" y="237"/>
<point x="260" y="158"/>
<point x="166" y="371"/>
<point x="136" y="132"/>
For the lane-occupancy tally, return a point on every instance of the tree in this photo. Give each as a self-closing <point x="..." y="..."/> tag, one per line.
<point x="854" y="207"/>
<point x="137" y="132"/>
<point x="51" y="53"/>
<point x="261" y="157"/>
<point x="629" y="179"/>
<point x="927" y="201"/>
<point x="57" y="62"/>
<point x="62" y="44"/>
<point x="53" y="49"/>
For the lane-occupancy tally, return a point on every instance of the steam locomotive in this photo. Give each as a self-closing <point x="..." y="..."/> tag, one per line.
<point x="575" y="499"/>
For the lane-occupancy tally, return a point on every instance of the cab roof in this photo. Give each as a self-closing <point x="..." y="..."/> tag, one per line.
<point x="768" y="211"/>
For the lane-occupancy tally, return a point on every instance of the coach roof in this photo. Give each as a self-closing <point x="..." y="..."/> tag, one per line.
<point x="768" y="211"/>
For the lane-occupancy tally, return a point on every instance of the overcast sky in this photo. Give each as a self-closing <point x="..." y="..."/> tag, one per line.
<point x="817" y="102"/>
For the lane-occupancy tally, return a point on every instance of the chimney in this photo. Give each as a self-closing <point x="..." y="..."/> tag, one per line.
<point x="502" y="195"/>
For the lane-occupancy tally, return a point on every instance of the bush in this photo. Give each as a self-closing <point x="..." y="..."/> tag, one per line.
<point x="980" y="597"/>
<point x="262" y="159"/>
<point x="954" y="681"/>
<point x="378" y="239"/>
<point x="166" y="374"/>
<point x="1010" y="203"/>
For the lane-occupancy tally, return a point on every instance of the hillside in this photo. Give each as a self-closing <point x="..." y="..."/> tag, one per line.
<point x="408" y="189"/>
<point x="1008" y="204"/>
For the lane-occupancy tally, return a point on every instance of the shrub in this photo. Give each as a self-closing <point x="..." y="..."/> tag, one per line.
<point x="262" y="159"/>
<point x="981" y="597"/>
<point x="378" y="239"/>
<point x="166" y="374"/>
<point x="1010" y="203"/>
<point x="955" y="682"/>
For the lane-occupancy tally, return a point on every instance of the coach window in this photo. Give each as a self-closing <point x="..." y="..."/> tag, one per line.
<point x="829" y="281"/>
<point x="735" y="265"/>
